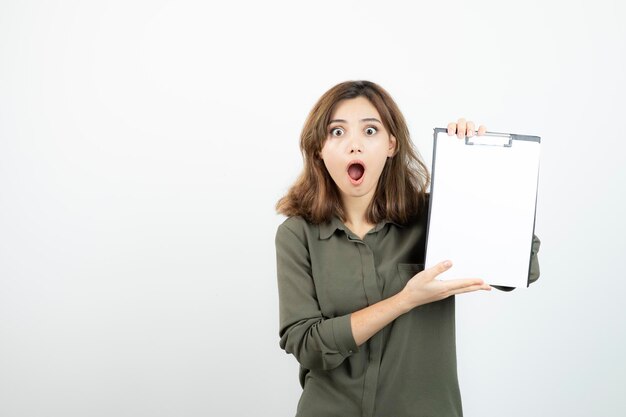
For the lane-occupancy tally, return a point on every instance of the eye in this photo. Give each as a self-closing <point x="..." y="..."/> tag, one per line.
<point x="370" y="131"/>
<point x="336" y="132"/>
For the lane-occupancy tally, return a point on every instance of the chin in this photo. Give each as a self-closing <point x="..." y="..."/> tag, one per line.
<point x="357" y="192"/>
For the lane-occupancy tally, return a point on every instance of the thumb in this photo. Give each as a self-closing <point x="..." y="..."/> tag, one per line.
<point x="432" y="272"/>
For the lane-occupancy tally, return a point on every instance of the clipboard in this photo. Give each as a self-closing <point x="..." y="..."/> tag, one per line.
<point x="483" y="203"/>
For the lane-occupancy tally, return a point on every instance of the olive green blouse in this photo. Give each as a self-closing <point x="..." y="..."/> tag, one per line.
<point x="325" y="272"/>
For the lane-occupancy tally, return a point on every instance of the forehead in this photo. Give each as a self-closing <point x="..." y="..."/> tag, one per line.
<point x="355" y="109"/>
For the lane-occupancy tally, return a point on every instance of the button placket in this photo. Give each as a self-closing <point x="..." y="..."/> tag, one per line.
<point x="373" y="294"/>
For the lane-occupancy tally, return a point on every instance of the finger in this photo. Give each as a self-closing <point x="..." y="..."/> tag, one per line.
<point x="432" y="272"/>
<point x="482" y="130"/>
<point x="470" y="129"/>
<point x="451" y="128"/>
<point x="471" y="289"/>
<point x="460" y="128"/>
<point x="458" y="284"/>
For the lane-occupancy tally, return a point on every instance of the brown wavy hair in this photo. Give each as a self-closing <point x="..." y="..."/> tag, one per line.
<point x="401" y="188"/>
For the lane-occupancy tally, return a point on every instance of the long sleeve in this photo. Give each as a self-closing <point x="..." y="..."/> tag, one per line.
<point x="316" y="342"/>
<point x="534" y="261"/>
<point x="534" y="266"/>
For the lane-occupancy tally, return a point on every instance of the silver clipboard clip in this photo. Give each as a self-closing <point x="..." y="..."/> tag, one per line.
<point x="491" y="139"/>
<point x="504" y="140"/>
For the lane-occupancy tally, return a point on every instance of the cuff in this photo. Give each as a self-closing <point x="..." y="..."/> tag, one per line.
<point x="342" y="332"/>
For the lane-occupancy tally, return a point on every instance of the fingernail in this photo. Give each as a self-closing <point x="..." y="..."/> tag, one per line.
<point x="447" y="264"/>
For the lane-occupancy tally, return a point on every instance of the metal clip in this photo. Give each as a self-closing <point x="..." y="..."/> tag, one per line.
<point x="491" y="139"/>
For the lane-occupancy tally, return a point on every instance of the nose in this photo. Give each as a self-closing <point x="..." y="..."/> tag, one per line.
<point x="355" y="146"/>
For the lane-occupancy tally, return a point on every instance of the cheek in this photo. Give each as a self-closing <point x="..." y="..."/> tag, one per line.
<point x="332" y="166"/>
<point x="381" y="159"/>
<point x="331" y="161"/>
<point x="335" y="170"/>
<point x="328" y="148"/>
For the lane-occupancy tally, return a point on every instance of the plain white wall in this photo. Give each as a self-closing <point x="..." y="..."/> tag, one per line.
<point x="143" y="145"/>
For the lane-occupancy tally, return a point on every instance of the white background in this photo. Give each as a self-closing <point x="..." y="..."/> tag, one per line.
<point x="143" y="145"/>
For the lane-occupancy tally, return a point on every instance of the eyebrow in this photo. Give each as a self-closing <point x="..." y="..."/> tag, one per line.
<point x="367" y="119"/>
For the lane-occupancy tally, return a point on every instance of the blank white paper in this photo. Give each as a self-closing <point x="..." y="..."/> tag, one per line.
<point x="483" y="209"/>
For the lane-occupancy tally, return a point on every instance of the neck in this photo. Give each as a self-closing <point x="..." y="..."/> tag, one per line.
<point x="355" y="209"/>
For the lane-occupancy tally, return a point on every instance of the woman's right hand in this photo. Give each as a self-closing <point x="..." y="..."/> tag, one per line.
<point x="423" y="288"/>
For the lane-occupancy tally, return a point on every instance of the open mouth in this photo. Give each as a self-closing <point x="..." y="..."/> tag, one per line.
<point x="356" y="169"/>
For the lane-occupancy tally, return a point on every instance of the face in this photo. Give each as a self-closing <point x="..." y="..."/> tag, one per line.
<point x="356" y="148"/>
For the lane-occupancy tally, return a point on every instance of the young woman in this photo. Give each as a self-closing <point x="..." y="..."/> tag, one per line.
<point x="372" y="330"/>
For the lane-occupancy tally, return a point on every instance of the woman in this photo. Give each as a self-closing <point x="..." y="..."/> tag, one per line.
<point x="372" y="330"/>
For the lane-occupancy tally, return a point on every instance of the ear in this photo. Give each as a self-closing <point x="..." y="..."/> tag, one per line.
<point x="393" y="144"/>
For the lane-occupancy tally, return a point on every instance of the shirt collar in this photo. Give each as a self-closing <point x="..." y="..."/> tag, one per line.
<point x="327" y="229"/>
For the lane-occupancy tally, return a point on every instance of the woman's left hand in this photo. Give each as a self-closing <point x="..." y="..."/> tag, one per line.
<point x="464" y="128"/>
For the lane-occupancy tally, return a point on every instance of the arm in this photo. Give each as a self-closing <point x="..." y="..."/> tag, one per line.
<point x="315" y="341"/>
<point x="423" y="288"/>
<point x="534" y="261"/>
<point x="323" y="343"/>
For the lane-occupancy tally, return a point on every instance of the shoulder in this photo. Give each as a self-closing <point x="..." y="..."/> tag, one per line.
<point x="295" y="226"/>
